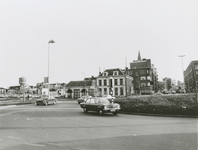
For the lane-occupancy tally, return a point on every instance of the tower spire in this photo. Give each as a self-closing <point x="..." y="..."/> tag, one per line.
<point x="139" y="56"/>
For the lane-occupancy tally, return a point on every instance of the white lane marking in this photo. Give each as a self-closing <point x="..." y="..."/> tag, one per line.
<point x="14" y="137"/>
<point x="9" y="106"/>
<point x="11" y="113"/>
<point x="34" y="144"/>
<point x="55" y="144"/>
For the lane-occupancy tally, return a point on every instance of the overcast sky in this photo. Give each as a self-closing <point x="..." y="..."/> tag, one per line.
<point x="93" y="34"/>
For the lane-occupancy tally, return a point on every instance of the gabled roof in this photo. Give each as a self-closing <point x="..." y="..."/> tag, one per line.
<point x="79" y="83"/>
<point x="110" y="71"/>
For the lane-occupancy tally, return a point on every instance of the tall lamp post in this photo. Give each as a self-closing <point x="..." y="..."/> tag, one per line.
<point x="51" y="41"/>
<point x="182" y="68"/>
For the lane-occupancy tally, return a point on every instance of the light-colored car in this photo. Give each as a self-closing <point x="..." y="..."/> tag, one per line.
<point x="101" y="105"/>
<point x="45" y="100"/>
<point x="83" y="98"/>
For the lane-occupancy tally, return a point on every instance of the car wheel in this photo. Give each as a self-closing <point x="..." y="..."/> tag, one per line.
<point x="85" y="110"/>
<point x="100" y="112"/>
<point x="36" y="103"/>
<point x="54" y="103"/>
<point x="78" y="102"/>
<point x="115" y="113"/>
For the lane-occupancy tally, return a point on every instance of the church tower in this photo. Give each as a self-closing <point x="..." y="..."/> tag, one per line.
<point x="139" y="56"/>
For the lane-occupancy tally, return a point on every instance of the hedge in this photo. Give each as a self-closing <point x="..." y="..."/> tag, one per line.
<point x="170" y="104"/>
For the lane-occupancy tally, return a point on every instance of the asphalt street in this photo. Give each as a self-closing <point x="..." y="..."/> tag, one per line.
<point x="65" y="126"/>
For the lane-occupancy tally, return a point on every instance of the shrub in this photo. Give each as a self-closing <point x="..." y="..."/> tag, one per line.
<point x="168" y="104"/>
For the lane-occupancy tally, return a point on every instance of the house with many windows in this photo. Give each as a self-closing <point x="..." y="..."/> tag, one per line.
<point x="114" y="82"/>
<point x="191" y="76"/>
<point x="145" y="77"/>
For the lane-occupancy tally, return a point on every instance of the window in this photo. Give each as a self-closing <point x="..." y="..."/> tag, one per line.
<point x="105" y="82"/>
<point x="115" y="73"/>
<point x="121" y="91"/>
<point x="121" y="81"/>
<point x="105" y="91"/>
<point x="105" y="73"/>
<point x="92" y="101"/>
<point x="142" y="71"/>
<point x="100" y="82"/>
<point x="116" y="91"/>
<point x="116" y="81"/>
<point x="143" y="78"/>
<point x="196" y="66"/>
<point x="130" y="72"/>
<point x="88" y="100"/>
<point x="142" y="84"/>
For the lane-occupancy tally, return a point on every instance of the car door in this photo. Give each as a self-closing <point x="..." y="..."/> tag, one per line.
<point x="93" y="105"/>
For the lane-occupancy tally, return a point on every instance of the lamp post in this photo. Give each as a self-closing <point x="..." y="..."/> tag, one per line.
<point x="182" y="69"/>
<point x="51" y="41"/>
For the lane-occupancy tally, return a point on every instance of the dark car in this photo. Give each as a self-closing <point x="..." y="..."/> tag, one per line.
<point x="83" y="98"/>
<point x="45" y="100"/>
<point x="101" y="105"/>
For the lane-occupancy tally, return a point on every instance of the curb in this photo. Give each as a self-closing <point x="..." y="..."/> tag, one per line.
<point x="160" y="115"/>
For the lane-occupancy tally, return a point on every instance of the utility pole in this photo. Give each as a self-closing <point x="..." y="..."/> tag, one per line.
<point x="182" y="68"/>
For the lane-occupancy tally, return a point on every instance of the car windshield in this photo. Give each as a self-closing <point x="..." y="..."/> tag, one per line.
<point x="102" y="101"/>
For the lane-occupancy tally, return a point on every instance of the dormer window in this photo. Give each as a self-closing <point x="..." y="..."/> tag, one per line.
<point x="105" y="73"/>
<point x="115" y="73"/>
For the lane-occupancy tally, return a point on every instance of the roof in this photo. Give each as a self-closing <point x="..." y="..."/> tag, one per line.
<point x="110" y="71"/>
<point x="80" y="83"/>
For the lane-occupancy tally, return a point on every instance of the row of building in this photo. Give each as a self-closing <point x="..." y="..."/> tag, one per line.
<point x="140" y="78"/>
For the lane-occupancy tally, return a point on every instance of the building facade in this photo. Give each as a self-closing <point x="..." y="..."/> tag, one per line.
<point x="76" y="89"/>
<point x="145" y="76"/>
<point x="191" y="76"/>
<point x="114" y="82"/>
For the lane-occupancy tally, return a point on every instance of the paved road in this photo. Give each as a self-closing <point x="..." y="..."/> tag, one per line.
<point x="64" y="126"/>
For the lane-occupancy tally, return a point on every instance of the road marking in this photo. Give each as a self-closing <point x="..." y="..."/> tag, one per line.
<point x="14" y="137"/>
<point x="34" y="144"/>
<point x="11" y="113"/>
<point x="9" y="106"/>
<point x="55" y="144"/>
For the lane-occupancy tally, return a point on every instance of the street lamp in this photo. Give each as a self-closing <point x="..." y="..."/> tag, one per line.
<point x="51" y="41"/>
<point x="182" y="69"/>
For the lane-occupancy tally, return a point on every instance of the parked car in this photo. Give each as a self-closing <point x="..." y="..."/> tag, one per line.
<point x="158" y="94"/>
<point x="182" y="91"/>
<point x="165" y="91"/>
<point x="173" y="91"/>
<point x="45" y="100"/>
<point x="83" y="98"/>
<point x="101" y="105"/>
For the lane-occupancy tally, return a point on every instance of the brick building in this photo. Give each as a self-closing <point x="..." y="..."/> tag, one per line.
<point x="145" y="76"/>
<point x="191" y="76"/>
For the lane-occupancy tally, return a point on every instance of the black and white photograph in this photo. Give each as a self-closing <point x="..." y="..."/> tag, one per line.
<point x="99" y="75"/>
